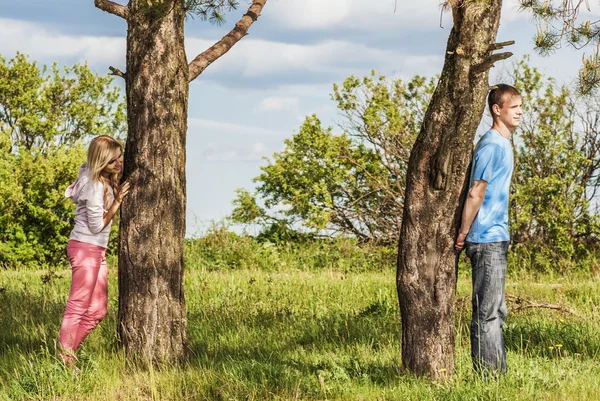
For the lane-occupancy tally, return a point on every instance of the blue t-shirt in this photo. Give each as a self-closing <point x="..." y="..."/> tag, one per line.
<point x="492" y="163"/>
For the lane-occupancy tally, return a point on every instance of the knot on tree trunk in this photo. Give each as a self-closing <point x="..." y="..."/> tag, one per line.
<point x="440" y="166"/>
<point x="252" y="15"/>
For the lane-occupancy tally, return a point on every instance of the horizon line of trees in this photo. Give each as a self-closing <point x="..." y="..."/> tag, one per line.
<point x="351" y="182"/>
<point x="323" y="183"/>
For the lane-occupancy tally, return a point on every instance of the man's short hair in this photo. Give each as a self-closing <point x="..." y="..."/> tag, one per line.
<point x="499" y="94"/>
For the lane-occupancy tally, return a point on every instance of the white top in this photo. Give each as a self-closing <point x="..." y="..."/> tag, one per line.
<point x="89" y="214"/>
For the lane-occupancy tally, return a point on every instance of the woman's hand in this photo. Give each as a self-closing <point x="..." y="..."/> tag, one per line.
<point x="121" y="191"/>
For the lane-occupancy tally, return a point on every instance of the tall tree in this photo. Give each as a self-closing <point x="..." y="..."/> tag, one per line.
<point x="353" y="183"/>
<point x="437" y="170"/>
<point x="152" y="315"/>
<point x="436" y="178"/>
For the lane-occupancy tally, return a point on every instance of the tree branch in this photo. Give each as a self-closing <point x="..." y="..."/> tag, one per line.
<point x="117" y="72"/>
<point x="489" y="62"/>
<point x="501" y="45"/>
<point x="202" y="61"/>
<point x="112" y="8"/>
<point x="523" y="303"/>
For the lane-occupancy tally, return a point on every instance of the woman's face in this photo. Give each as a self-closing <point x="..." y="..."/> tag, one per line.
<point x="115" y="165"/>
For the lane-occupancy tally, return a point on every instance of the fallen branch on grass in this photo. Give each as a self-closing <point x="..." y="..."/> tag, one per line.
<point x="523" y="303"/>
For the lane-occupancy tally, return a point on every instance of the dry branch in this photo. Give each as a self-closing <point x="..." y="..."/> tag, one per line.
<point x="206" y="58"/>
<point x="489" y="62"/>
<point x="501" y="45"/>
<point x="112" y="8"/>
<point x="117" y="72"/>
<point x="523" y="303"/>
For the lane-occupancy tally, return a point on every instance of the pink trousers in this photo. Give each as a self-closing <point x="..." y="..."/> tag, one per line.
<point x="86" y="306"/>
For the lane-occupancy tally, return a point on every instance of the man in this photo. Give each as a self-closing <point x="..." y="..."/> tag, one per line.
<point x="484" y="229"/>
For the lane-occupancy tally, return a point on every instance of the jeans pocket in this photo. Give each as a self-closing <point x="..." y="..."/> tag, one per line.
<point x="471" y="249"/>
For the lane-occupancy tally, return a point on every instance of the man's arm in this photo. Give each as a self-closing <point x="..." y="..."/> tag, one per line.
<point x="472" y="206"/>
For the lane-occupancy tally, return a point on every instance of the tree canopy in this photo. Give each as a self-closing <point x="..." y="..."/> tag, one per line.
<point x="563" y="22"/>
<point x="46" y="115"/>
<point x="350" y="181"/>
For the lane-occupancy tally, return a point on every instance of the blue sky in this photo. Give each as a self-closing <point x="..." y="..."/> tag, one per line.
<point x="246" y="103"/>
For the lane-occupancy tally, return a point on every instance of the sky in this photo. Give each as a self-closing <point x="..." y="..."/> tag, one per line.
<point x="248" y="102"/>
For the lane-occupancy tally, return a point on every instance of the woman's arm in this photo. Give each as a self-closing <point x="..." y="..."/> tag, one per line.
<point x="120" y="193"/>
<point x="98" y="218"/>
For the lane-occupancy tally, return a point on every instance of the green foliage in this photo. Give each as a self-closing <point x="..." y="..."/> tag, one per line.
<point x="35" y="227"/>
<point x="45" y="118"/>
<point x="555" y="180"/>
<point x="41" y="108"/>
<point x="245" y="208"/>
<point x="211" y="10"/>
<point x="309" y="334"/>
<point x="350" y="183"/>
<point x="559" y="23"/>
<point x="278" y="250"/>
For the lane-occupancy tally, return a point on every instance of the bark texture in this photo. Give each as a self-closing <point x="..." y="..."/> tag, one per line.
<point x="152" y="314"/>
<point x="437" y="177"/>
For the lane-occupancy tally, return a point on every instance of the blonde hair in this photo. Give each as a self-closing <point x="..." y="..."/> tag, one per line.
<point x="101" y="151"/>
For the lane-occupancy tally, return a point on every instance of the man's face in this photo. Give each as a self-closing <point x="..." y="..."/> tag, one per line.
<point x="510" y="112"/>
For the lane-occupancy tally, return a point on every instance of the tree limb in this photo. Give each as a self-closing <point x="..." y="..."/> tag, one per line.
<point x="203" y="60"/>
<point x="489" y="62"/>
<point x="117" y="72"/>
<point x="501" y="45"/>
<point x="523" y="303"/>
<point x="112" y="8"/>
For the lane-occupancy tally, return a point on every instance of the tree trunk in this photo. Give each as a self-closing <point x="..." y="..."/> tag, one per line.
<point x="437" y="176"/>
<point x="152" y="315"/>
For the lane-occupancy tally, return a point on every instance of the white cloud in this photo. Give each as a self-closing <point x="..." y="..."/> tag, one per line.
<point x="227" y="142"/>
<point x="310" y="14"/>
<point x="306" y="90"/>
<point x="258" y="58"/>
<point x="48" y="45"/>
<point x="511" y="12"/>
<point x="217" y="152"/>
<point x="278" y="103"/>
<point x="251" y="58"/>
<point x="367" y="15"/>
<point x="210" y="127"/>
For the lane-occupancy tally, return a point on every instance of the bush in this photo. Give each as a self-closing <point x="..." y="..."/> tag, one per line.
<point x="47" y="116"/>
<point x="220" y="249"/>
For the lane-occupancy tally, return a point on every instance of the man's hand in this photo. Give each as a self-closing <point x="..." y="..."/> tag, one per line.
<point x="460" y="241"/>
<point x="470" y="210"/>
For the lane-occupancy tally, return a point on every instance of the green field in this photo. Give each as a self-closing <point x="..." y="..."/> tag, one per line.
<point x="301" y="325"/>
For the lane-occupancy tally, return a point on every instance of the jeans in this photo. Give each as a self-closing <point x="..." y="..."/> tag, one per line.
<point x="488" y="261"/>
<point x="88" y="296"/>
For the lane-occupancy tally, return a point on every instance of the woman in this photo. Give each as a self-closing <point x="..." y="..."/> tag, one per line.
<point x="98" y="195"/>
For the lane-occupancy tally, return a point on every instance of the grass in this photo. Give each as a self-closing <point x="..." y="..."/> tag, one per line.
<point x="324" y="328"/>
